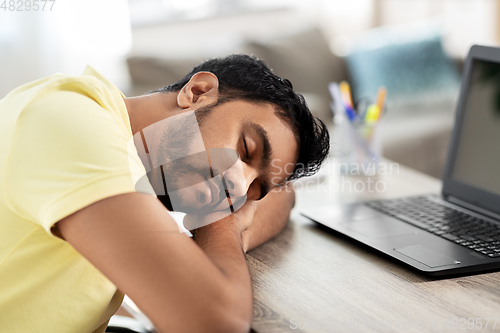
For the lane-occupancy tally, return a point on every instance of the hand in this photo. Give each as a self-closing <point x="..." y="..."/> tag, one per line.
<point x="246" y="214"/>
<point x="271" y="216"/>
<point x="241" y="219"/>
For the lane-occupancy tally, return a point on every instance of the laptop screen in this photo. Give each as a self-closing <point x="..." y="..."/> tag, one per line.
<point x="477" y="158"/>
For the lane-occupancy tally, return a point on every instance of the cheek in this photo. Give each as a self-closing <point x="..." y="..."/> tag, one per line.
<point x="286" y="154"/>
<point x="288" y="169"/>
<point x="280" y="171"/>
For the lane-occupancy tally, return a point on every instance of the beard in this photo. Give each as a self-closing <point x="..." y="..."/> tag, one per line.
<point x="184" y="176"/>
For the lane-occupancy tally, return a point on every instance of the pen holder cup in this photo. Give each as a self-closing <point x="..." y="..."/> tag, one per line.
<point x="357" y="147"/>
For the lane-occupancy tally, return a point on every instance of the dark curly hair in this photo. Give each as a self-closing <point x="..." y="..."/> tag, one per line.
<point x="248" y="78"/>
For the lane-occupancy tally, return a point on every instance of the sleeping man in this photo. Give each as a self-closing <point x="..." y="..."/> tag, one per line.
<point x="88" y="178"/>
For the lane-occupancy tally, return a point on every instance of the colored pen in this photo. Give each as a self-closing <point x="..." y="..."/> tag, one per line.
<point x="374" y="111"/>
<point x="381" y="95"/>
<point x="345" y="92"/>
<point x="333" y="88"/>
<point x="341" y="109"/>
<point x="372" y="114"/>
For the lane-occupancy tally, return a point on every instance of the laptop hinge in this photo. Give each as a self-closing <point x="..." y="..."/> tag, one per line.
<point x="479" y="210"/>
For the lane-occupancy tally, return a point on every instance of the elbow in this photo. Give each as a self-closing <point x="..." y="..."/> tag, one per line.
<point x="227" y="322"/>
<point x="234" y="311"/>
<point x="225" y="313"/>
<point x="232" y="325"/>
<point x="235" y="316"/>
<point x="213" y="321"/>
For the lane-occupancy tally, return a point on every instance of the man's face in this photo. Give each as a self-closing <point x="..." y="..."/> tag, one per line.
<point x="247" y="144"/>
<point x="264" y="142"/>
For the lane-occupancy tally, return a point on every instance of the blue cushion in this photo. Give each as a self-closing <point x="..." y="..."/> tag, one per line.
<point x="407" y="68"/>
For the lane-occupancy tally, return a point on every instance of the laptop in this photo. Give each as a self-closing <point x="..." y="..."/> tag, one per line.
<point x="458" y="231"/>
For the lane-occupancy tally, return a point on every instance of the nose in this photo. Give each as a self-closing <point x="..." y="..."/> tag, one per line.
<point x="239" y="179"/>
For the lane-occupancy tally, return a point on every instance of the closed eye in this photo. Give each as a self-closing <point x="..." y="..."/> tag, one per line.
<point x="246" y="149"/>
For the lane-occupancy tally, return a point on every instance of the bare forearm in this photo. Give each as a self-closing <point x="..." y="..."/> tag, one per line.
<point x="222" y="243"/>
<point x="134" y="242"/>
<point x="270" y="218"/>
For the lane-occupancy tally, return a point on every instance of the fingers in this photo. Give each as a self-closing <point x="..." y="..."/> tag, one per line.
<point x="244" y="216"/>
<point x="195" y="221"/>
<point x="246" y="213"/>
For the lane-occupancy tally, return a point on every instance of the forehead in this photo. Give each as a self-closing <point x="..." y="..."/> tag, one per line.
<point x="263" y="113"/>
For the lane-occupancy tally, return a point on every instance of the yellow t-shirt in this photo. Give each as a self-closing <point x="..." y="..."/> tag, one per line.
<point x="65" y="144"/>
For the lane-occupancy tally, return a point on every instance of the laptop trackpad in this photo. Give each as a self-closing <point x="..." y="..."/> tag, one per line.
<point x="426" y="256"/>
<point x="380" y="227"/>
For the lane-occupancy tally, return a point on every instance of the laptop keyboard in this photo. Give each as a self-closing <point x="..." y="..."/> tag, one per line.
<point x="459" y="227"/>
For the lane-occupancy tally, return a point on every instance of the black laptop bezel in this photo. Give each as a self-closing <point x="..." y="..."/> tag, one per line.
<point x="451" y="187"/>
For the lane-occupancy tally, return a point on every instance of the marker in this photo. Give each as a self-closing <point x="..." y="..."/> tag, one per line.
<point x="374" y="111"/>
<point x="341" y="109"/>
<point x="345" y="92"/>
<point x="351" y="114"/>
<point x="333" y="88"/>
<point x="372" y="114"/>
<point x="381" y="95"/>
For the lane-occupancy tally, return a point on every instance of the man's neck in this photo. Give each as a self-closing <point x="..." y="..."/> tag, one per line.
<point x="148" y="109"/>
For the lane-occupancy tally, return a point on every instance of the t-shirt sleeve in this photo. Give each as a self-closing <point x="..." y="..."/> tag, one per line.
<point x="68" y="152"/>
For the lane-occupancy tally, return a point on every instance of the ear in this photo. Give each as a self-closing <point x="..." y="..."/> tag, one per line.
<point x="202" y="89"/>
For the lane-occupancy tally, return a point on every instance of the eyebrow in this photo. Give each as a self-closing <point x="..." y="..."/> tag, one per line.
<point x="266" y="155"/>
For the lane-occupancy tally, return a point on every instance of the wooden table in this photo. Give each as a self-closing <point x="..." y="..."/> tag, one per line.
<point x="308" y="279"/>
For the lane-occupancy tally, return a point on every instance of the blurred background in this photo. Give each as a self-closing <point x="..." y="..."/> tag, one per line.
<point x="414" y="47"/>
